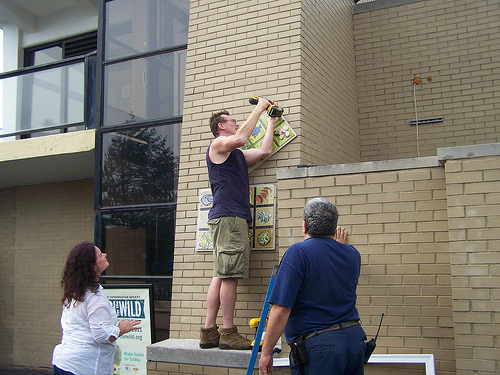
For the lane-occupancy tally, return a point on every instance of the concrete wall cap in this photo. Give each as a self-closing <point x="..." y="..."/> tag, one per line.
<point x="468" y="152"/>
<point x="351" y="168"/>
<point x="187" y="351"/>
<point x="379" y="4"/>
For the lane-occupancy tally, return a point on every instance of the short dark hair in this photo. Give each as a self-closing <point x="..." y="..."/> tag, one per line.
<point x="214" y="121"/>
<point x="320" y="217"/>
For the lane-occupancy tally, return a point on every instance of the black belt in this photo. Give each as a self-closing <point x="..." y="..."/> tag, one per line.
<point x="340" y="325"/>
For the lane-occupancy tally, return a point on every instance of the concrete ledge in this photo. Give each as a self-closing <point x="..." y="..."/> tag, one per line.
<point x="52" y="158"/>
<point x="443" y="154"/>
<point x="468" y="152"/>
<point x="187" y="351"/>
<point x="350" y="168"/>
<point x="379" y="4"/>
<point x="51" y="145"/>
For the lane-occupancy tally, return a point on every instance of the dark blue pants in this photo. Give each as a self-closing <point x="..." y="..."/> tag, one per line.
<point x="58" y="371"/>
<point x="339" y="352"/>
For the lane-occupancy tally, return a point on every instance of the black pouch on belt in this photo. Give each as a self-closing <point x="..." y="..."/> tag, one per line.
<point x="298" y="348"/>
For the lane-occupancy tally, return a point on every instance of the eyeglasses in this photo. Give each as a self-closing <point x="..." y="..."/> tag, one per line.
<point x="230" y="120"/>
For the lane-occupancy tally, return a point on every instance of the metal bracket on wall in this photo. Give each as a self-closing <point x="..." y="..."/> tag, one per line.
<point x="427" y="121"/>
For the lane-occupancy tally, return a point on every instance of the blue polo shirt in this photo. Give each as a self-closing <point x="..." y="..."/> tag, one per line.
<point x="317" y="279"/>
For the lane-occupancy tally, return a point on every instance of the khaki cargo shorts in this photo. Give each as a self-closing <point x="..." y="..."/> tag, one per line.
<point x="231" y="246"/>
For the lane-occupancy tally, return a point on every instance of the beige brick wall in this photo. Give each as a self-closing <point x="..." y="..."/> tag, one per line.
<point x="397" y="219"/>
<point x="43" y="223"/>
<point x="455" y="43"/>
<point x="473" y="194"/>
<point x="157" y="368"/>
<point x="238" y="49"/>
<point x="435" y="280"/>
<point x="7" y="264"/>
<point x="329" y="121"/>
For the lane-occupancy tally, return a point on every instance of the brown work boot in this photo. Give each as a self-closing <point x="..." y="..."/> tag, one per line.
<point x="231" y="339"/>
<point x="209" y="337"/>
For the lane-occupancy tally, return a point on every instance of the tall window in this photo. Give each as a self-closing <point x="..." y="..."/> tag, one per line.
<point x="143" y="54"/>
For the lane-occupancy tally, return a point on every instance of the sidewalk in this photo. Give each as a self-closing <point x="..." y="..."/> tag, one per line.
<point x="23" y="371"/>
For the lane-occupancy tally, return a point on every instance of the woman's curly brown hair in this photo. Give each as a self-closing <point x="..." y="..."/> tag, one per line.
<point x="79" y="274"/>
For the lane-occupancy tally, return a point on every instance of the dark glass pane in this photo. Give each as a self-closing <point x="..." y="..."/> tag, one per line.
<point x="138" y="26"/>
<point x="139" y="243"/>
<point x="144" y="89"/>
<point x="91" y="98"/>
<point x="140" y="166"/>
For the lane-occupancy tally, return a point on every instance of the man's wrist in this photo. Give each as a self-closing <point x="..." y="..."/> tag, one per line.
<point x="266" y="351"/>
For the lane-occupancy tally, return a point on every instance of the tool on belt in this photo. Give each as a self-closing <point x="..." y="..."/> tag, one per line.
<point x="298" y="346"/>
<point x="272" y="109"/>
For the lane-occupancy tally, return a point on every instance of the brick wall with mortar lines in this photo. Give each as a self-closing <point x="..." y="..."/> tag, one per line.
<point x="160" y="368"/>
<point x="236" y="49"/>
<point x="48" y="221"/>
<point x="473" y="189"/>
<point x="398" y="222"/>
<point x="7" y="264"/>
<point x="455" y="43"/>
<point x="329" y="123"/>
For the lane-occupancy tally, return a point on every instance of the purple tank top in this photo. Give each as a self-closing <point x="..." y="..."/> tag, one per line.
<point x="230" y="187"/>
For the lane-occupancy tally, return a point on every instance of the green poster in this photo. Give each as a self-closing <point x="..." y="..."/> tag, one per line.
<point x="283" y="133"/>
<point x="261" y="231"/>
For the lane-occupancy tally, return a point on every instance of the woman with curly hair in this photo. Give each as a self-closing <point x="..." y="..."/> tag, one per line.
<point x="88" y="320"/>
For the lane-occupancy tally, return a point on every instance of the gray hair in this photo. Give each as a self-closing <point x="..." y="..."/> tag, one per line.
<point x="320" y="217"/>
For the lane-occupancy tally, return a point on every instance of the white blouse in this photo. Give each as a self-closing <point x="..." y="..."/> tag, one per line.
<point x="85" y="348"/>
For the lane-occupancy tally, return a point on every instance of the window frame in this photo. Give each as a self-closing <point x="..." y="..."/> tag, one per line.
<point x="29" y="52"/>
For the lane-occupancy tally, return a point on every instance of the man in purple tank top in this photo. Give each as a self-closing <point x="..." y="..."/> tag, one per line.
<point x="228" y="219"/>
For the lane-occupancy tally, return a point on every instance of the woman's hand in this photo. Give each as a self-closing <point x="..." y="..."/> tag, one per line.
<point x="125" y="326"/>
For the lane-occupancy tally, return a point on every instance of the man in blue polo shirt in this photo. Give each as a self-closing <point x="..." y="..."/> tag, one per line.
<point x="228" y="219"/>
<point x="314" y="300"/>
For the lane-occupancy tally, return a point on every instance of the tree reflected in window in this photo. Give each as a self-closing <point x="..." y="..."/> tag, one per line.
<point x="140" y="166"/>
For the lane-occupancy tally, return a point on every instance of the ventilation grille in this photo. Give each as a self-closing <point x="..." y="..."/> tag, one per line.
<point x="80" y="45"/>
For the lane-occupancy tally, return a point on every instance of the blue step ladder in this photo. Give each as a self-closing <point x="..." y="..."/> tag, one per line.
<point x="262" y="323"/>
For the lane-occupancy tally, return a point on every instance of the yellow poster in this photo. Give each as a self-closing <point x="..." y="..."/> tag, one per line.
<point x="261" y="230"/>
<point x="283" y="133"/>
